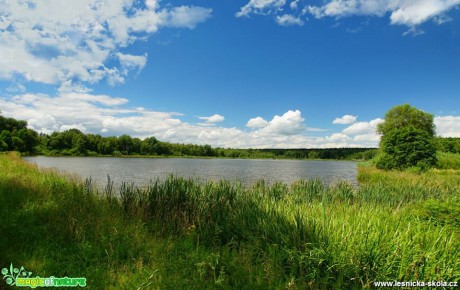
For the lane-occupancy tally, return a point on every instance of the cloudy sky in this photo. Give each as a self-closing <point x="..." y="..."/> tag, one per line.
<point x="230" y="73"/>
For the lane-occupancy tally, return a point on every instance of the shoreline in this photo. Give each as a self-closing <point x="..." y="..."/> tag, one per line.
<point x="191" y="157"/>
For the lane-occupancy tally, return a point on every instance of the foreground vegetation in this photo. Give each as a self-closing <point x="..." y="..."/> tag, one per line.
<point x="182" y="234"/>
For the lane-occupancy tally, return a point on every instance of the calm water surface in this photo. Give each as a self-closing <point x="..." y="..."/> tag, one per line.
<point x="142" y="170"/>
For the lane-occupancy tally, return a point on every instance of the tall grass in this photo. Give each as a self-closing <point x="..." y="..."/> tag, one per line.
<point x="448" y="160"/>
<point x="184" y="233"/>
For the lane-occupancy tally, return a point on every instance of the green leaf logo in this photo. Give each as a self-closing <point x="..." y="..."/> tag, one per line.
<point x="11" y="275"/>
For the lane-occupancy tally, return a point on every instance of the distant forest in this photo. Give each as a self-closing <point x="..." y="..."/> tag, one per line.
<point x="15" y="136"/>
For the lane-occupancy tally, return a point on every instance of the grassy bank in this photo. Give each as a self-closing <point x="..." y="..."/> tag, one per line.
<point x="182" y="234"/>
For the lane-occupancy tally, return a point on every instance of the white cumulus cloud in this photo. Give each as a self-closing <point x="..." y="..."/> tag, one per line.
<point x="341" y="8"/>
<point x="364" y="133"/>
<point x="371" y="138"/>
<point x="410" y="12"/>
<point x="290" y="123"/>
<point x="447" y="126"/>
<point x="363" y="127"/>
<point x="339" y="137"/>
<point x="294" y="4"/>
<point x="289" y="20"/>
<point x="129" y="62"/>
<point x="260" y="7"/>
<point x="402" y="12"/>
<point x="211" y="120"/>
<point x="346" y="119"/>
<point x="70" y="42"/>
<point x="257" y="122"/>
<point x="185" y="16"/>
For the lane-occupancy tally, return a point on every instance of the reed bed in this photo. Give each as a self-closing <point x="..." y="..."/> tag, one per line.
<point x="186" y="233"/>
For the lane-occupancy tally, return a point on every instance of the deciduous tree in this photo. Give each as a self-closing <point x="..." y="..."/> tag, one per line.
<point x="407" y="139"/>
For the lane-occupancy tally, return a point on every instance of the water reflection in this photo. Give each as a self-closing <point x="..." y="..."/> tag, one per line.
<point x="248" y="171"/>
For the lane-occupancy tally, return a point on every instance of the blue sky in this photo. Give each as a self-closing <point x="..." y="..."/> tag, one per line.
<point x="252" y="73"/>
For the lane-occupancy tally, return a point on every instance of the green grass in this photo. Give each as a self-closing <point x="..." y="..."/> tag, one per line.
<point x="182" y="234"/>
<point x="448" y="160"/>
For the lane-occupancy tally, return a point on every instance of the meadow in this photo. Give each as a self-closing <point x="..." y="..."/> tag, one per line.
<point x="191" y="234"/>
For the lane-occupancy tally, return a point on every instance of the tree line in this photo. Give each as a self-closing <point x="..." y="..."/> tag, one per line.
<point x="449" y="144"/>
<point x="15" y="136"/>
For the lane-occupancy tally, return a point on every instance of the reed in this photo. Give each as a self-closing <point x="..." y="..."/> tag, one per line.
<point x="186" y="233"/>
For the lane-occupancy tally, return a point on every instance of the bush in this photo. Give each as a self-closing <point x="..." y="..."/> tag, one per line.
<point x="407" y="147"/>
<point x="448" y="160"/>
<point x="3" y="146"/>
<point x="407" y="139"/>
<point x="384" y="161"/>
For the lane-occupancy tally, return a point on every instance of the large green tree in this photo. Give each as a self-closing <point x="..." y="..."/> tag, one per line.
<point x="14" y="135"/>
<point x="407" y="139"/>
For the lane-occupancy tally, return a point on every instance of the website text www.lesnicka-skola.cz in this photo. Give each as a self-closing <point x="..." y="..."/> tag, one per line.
<point x="415" y="284"/>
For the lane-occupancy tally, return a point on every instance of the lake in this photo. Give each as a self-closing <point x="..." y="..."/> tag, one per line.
<point x="142" y="170"/>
